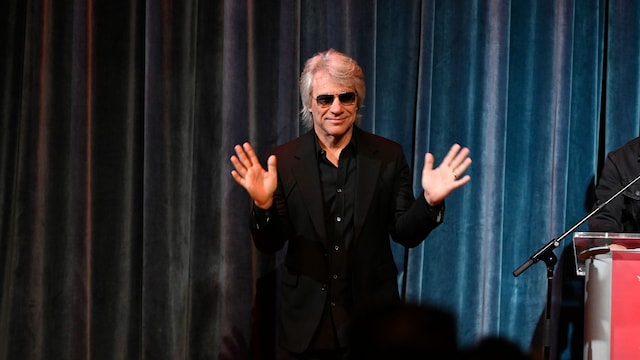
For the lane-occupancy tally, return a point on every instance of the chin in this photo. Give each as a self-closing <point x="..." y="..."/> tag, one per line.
<point x="338" y="130"/>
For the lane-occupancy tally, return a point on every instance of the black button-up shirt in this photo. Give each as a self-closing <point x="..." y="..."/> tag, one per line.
<point x="338" y="194"/>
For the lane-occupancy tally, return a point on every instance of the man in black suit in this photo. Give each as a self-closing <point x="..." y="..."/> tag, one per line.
<point x="622" y="214"/>
<point x="334" y="197"/>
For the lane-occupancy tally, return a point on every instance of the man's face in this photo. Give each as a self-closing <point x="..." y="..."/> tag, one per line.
<point x="334" y="117"/>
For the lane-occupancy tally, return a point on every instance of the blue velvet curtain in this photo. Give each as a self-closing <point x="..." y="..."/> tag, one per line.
<point x="124" y="236"/>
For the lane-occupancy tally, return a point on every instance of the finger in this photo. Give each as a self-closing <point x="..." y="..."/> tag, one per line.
<point x="450" y="155"/>
<point x="460" y="157"/>
<point x="239" y="167"/>
<point x="464" y="166"/>
<point x="239" y="179"/>
<point x="271" y="164"/>
<point x="463" y="180"/>
<point x="242" y="155"/>
<point x="251" y="154"/>
<point x="428" y="161"/>
<point x="461" y="168"/>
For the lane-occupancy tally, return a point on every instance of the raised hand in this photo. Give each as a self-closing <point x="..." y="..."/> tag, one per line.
<point x="260" y="183"/>
<point x="438" y="183"/>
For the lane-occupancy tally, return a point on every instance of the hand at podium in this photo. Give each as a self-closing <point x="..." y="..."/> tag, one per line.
<point x="617" y="247"/>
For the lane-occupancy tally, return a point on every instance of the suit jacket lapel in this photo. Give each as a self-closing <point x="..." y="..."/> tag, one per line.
<point x="367" y="171"/>
<point x="308" y="178"/>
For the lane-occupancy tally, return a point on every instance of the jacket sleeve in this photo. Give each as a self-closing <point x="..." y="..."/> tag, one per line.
<point x="269" y="228"/>
<point x="608" y="218"/>
<point x="414" y="218"/>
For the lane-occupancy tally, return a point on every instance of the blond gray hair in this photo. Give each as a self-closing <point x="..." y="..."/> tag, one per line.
<point x="342" y="69"/>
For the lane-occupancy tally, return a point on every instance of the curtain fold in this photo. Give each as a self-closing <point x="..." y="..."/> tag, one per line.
<point x="622" y="66"/>
<point x="123" y="235"/>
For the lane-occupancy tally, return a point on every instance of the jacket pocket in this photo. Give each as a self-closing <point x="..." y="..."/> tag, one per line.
<point x="632" y="193"/>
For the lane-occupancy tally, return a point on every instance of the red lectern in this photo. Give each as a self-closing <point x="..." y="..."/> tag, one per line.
<point x="610" y="263"/>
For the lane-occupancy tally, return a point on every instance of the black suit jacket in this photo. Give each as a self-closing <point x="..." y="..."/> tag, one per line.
<point x="384" y="206"/>
<point x="622" y="214"/>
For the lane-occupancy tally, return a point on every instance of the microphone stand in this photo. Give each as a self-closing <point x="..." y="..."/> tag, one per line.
<point x="546" y="254"/>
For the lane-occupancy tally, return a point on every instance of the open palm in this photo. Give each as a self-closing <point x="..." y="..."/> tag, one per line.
<point x="439" y="182"/>
<point x="260" y="183"/>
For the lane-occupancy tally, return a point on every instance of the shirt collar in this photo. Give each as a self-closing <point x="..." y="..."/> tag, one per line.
<point x="350" y="147"/>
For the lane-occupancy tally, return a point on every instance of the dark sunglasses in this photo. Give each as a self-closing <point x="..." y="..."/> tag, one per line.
<point x="346" y="98"/>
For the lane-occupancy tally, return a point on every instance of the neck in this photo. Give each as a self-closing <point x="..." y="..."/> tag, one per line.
<point x="333" y="145"/>
<point x="334" y="142"/>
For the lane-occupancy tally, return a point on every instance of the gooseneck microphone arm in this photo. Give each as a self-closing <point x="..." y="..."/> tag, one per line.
<point x="543" y="252"/>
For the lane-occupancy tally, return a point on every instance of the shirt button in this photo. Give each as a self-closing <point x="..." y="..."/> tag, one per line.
<point x="338" y="219"/>
<point x="335" y="277"/>
<point x="324" y="287"/>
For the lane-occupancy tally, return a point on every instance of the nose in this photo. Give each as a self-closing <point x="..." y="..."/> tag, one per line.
<point x="336" y="105"/>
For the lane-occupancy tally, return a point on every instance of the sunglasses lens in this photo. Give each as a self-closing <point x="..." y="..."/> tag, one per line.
<point x="347" y="98"/>
<point x="325" y="99"/>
